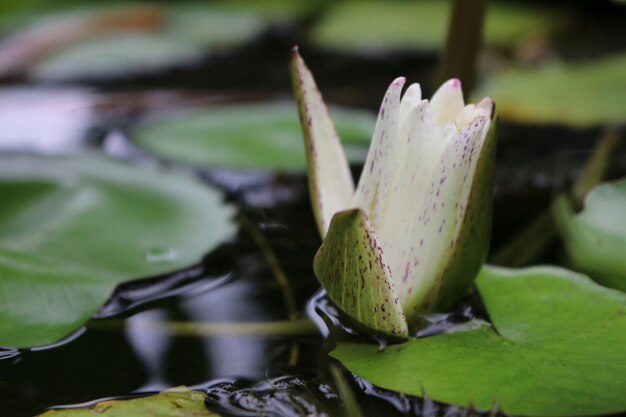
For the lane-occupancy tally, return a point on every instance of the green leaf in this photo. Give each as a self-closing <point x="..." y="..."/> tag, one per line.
<point x="595" y="239"/>
<point x="114" y="56"/>
<point x="172" y="403"/>
<point x="578" y="95"/>
<point x="371" y="25"/>
<point x="351" y="267"/>
<point x="13" y="7"/>
<point x="557" y="348"/>
<point x="71" y="228"/>
<point x="256" y="136"/>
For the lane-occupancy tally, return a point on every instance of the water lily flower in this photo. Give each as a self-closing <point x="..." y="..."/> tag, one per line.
<point x="413" y="234"/>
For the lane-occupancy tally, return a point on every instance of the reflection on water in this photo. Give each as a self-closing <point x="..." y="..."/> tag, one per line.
<point x="123" y="352"/>
<point x="150" y="348"/>
<point x="44" y="120"/>
<point x="235" y="303"/>
<point x="135" y="346"/>
<point x="115" y="357"/>
<point x="288" y="396"/>
<point x="100" y="363"/>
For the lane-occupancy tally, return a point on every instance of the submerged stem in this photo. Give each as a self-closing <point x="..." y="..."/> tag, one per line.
<point x="298" y="327"/>
<point x="537" y="235"/>
<point x="279" y="275"/>
<point x="529" y="244"/>
<point x="596" y="167"/>
<point x="350" y="403"/>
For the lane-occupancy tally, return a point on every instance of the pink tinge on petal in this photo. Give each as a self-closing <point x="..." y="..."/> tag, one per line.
<point x="447" y="102"/>
<point x="399" y="82"/>
<point x="487" y="104"/>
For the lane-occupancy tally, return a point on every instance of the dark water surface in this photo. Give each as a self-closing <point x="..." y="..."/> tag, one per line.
<point x="138" y="343"/>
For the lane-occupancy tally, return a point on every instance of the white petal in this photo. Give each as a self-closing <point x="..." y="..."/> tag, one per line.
<point x="330" y="181"/>
<point x="468" y="114"/>
<point x="486" y="104"/>
<point x="447" y="102"/>
<point x="424" y="217"/>
<point x="380" y="167"/>
<point x="411" y="98"/>
<point x="471" y="111"/>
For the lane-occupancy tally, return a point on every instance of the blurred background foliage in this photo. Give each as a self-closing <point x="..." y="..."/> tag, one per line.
<point x="554" y="63"/>
<point x="205" y="84"/>
<point x="201" y="42"/>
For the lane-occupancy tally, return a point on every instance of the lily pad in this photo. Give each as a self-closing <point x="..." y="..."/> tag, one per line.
<point x="176" y="402"/>
<point x="115" y="56"/>
<point x="371" y="25"/>
<point x="255" y="136"/>
<point x="190" y="34"/>
<point x="97" y="42"/>
<point x="578" y="95"/>
<point x="556" y="348"/>
<point x="72" y="228"/>
<point x="595" y="239"/>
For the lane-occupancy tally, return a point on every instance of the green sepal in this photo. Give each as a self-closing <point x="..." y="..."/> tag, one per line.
<point x="351" y="266"/>
<point x="330" y="181"/>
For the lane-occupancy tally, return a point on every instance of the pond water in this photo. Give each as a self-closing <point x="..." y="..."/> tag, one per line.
<point x="223" y="326"/>
<point x="138" y="343"/>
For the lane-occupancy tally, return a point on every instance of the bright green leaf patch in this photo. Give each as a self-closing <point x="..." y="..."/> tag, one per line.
<point x="557" y="348"/>
<point x="172" y="403"/>
<point x="72" y="228"/>
<point x="261" y="136"/>
<point x="372" y="25"/>
<point x="595" y="239"/>
<point x="578" y="95"/>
